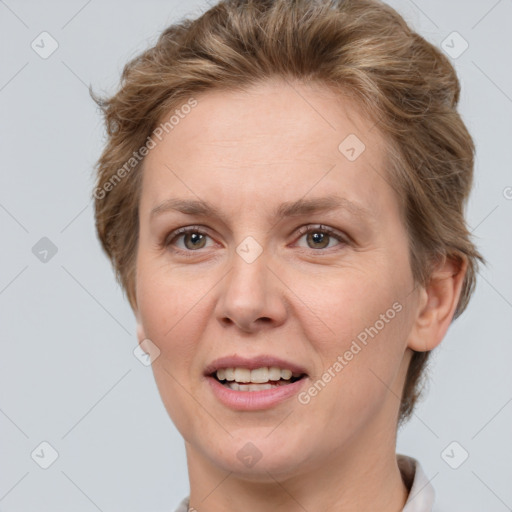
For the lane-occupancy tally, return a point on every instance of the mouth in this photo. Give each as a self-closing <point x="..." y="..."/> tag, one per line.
<point x="254" y="384"/>
<point x="257" y="379"/>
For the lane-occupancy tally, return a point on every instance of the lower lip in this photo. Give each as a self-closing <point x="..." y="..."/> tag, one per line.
<point x="254" y="400"/>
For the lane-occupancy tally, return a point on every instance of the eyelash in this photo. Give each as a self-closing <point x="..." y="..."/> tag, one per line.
<point x="173" y="236"/>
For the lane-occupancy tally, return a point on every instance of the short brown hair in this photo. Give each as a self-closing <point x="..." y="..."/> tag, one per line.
<point x="363" y="48"/>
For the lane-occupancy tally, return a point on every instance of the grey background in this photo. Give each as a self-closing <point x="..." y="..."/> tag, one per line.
<point x="67" y="372"/>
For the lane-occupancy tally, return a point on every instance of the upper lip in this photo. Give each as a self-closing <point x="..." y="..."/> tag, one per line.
<point x="252" y="363"/>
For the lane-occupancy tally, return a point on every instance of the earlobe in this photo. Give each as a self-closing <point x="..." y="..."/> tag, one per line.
<point x="140" y="332"/>
<point x="437" y="304"/>
<point x="141" y="335"/>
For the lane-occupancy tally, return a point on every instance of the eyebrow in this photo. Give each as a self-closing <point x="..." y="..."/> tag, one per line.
<point x="287" y="209"/>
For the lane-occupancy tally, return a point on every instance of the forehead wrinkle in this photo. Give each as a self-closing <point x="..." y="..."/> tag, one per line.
<point x="300" y="207"/>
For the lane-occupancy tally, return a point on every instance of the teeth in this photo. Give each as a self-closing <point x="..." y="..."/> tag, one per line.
<point x="259" y="375"/>
<point x="250" y="387"/>
<point x="256" y="376"/>
<point x="274" y="373"/>
<point x="286" y="374"/>
<point x="242" y="375"/>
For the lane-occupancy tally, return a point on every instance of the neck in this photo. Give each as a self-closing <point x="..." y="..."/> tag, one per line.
<point x="359" y="476"/>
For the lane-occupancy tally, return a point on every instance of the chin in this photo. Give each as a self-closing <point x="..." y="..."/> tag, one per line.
<point x="258" y="457"/>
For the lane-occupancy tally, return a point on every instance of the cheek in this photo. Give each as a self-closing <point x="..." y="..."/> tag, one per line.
<point x="164" y="295"/>
<point x="360" y="340"/>
<point x="168" y="308"/>
<point x="171" y="318"/>
<point x="346" y="303"/>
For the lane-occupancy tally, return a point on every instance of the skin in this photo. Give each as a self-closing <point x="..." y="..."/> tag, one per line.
<point x="302" y="299"/>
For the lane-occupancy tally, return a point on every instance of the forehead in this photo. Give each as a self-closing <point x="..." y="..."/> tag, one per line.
<point x="276" y="140"/>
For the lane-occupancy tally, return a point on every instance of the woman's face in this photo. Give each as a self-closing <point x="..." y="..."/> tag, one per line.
<point x="248" y="282"/>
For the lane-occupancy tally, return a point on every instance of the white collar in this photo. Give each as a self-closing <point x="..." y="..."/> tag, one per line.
<point x="421" y="493"/>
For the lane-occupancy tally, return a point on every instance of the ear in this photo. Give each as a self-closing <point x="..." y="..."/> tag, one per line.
<point x="141" y="335"/>
<point x="437" y="304"/>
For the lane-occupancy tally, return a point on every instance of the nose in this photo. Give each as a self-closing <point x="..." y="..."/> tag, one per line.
<point x="251" y="296"/>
